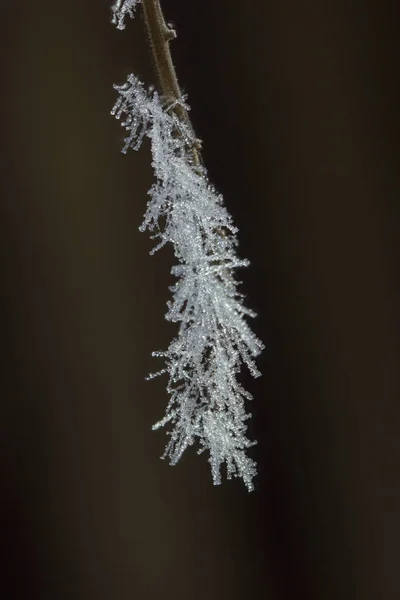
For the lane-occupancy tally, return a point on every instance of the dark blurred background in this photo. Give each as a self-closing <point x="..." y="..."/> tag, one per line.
<point x="295" y="102"/>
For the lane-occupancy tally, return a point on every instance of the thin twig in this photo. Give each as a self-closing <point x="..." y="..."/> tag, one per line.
<point x="160" y="35"/>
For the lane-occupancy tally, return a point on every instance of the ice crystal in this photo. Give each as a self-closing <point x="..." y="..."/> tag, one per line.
<point x="214" y="340"/>
<point x="121" y="9"/>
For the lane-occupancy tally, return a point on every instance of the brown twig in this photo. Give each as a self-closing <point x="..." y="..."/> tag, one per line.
<point x="160" y="35"/>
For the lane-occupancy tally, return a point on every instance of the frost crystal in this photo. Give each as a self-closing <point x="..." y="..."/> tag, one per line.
<point x="203" y="361"/>
<point x="120" y="9"/>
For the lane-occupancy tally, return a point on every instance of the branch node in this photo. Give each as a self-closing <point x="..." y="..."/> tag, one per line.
<point x="170" y="34"/>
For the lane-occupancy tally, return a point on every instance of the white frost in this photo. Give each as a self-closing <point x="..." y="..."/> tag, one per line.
<point x="206" y="400"/>
<point x="120" y="9"/>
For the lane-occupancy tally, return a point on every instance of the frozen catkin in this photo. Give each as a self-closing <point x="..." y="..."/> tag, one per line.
<point x="214" y="340"/>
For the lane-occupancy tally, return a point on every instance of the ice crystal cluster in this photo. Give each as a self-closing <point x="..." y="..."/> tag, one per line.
<point x="207" y="402"/>
<point x="121" y="9"/>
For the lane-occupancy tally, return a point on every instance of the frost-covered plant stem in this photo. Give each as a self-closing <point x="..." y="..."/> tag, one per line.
<point x="207" y="403"/>
<point x="160" y="35"/>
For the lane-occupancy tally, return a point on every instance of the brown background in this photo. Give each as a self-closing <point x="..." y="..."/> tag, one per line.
<point x="295" y="101"/>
